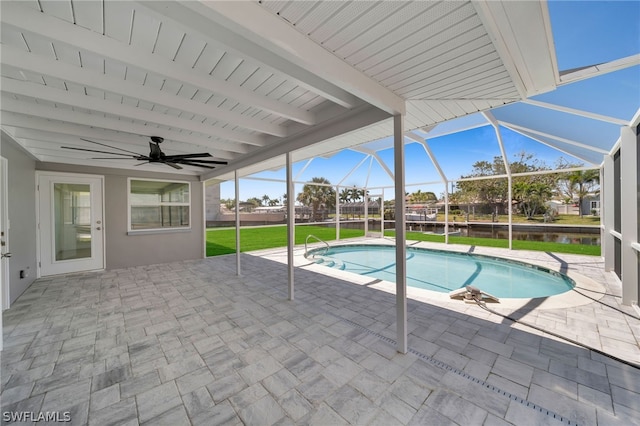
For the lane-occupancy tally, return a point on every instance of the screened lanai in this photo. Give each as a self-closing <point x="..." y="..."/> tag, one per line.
<point x="573" y="122"/>
<point x="153" y="332"/>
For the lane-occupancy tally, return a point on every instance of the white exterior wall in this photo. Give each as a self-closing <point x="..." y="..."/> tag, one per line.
<point x="629" y="186"/>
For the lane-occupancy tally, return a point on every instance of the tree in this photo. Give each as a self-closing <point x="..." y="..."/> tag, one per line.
<point x="255" y="201"/>
<point x="317" y="196"/>
<point x="355" y="194"/>
<point x="578" y="184"/>
<point x="265" y="199"/>
<point x="419" y="197"/>
<point x="490" y="193"/>
<point x="531" y="196"/>
<point x="345" y="195"/>
<point x="229" y="203"/>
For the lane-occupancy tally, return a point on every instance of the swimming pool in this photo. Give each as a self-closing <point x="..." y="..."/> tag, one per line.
<point x="444" y="271"/>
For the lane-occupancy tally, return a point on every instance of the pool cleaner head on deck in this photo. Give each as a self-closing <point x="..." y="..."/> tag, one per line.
<point x="471" y="294"/>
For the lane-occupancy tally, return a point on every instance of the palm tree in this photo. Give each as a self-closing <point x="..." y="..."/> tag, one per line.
<point x="531" y="196"/>
<point x="419" y="197"/>
<point x="583" y="182"/>
<point x="355" y="194"/>
<point x="345" y="195"/>
<point x="265" y="199"/>
<point x="317" y="196"/>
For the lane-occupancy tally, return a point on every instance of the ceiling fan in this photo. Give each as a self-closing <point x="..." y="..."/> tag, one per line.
<point x="155" y="155"/>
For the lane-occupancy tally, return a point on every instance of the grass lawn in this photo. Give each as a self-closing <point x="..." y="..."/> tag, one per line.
<point x="223" y="240"/>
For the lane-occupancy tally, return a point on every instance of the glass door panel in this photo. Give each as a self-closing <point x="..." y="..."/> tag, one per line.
<point x="72" y="207"/>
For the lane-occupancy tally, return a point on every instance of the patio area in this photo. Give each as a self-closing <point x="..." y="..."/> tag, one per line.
<point x="193" y="343"/>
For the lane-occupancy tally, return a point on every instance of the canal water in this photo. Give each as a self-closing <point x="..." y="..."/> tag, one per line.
<point x="546" y="236"/>
<point x="565" y="235"/>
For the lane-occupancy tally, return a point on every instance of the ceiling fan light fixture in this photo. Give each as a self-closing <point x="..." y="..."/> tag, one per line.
<point x="155" y="155"/>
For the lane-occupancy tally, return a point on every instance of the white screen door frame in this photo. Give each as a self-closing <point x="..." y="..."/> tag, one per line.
<point x="70" y="211"/>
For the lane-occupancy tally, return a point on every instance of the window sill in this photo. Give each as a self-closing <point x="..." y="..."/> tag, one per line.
<point x="157" y="231"/>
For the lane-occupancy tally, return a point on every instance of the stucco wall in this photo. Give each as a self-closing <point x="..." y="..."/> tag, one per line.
<point x="124" y="250"/>
<point x="22" y="216"/>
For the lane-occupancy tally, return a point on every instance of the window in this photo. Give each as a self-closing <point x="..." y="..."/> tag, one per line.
<point x="156" y="204"/>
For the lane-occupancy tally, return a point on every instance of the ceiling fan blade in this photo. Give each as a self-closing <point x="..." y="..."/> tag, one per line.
<point x="174" y="165"/>
<point x="112" y="158"/>
<point x="109" y="146"/>
<point x="187" y="156"/>
<point x="205" y="161"/>
<point x="101" y="152"/>
<point x="190" y="163"/>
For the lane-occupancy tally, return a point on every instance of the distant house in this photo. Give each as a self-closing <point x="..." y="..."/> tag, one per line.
<point x="590" y="206"/>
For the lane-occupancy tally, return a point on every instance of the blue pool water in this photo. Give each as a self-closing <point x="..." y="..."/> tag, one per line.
<point x="444" y="271"/>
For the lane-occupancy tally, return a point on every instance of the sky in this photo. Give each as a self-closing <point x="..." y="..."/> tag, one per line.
<point x="585" y="33"/>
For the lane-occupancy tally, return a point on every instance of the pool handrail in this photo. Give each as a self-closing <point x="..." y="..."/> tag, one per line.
<point x="306" y="251"/>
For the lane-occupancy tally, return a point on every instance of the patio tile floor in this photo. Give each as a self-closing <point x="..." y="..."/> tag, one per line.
<point x="193" y="343"/>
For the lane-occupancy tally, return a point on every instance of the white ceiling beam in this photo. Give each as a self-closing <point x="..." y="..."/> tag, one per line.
<point x="191" y="15"/>
<point x="258" y="33"/>
<point x="33" y="109"/>
<point x="23" y="18"/>
<point x="577" y="112"/>
<point x="50" y="94"/>
<point x="82" y="76"/>
<point x="583" y="73"/>
<point x="521" y="34"/>
<point x="554" y="137"/>
<point x="29" y="126"/>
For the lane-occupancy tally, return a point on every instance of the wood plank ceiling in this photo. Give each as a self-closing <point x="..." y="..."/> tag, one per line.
<point x="210" y="77"/>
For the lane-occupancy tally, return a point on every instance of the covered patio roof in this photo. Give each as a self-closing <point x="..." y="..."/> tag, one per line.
<point x="249" y="81"/>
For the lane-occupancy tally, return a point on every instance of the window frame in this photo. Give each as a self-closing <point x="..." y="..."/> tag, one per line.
<point x="131" y="231"/>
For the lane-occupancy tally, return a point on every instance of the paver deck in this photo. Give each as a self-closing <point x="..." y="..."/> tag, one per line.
<point x="193" y="343"/>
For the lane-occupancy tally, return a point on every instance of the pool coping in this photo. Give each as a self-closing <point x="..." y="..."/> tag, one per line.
<point x="570" y="298"/>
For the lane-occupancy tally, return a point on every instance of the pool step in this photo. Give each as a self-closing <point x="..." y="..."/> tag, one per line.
<point x="328" y="262"/>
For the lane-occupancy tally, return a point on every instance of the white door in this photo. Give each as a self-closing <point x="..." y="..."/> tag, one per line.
<point x="71" y="229"/>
